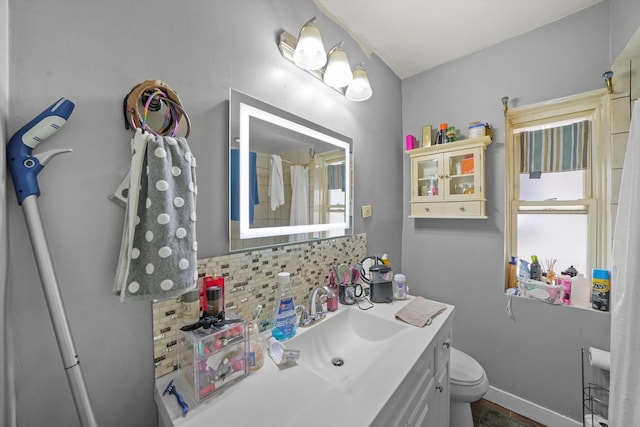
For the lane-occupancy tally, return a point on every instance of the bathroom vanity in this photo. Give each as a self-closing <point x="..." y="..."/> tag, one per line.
<point x="392" y="374"/>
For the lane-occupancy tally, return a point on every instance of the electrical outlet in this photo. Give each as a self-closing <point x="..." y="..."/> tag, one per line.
<point x="366" y="211"/>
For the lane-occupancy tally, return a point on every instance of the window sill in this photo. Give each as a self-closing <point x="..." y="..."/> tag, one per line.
<point x="575" y="307"/>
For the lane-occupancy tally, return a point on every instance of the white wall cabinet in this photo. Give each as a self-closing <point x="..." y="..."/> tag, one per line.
<point x="448" y="180"/>
<point x="422" y="400"/>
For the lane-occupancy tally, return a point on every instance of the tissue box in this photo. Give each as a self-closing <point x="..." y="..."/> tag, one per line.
<point x="211" y="359"/>
<point x="542" y="291"/>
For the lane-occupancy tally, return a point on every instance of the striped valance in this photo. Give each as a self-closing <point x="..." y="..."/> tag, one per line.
<point x="336" y="177"/>
<point x="558" y="149"/>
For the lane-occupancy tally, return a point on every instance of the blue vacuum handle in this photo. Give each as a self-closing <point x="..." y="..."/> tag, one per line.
<point x="24" y="166"/>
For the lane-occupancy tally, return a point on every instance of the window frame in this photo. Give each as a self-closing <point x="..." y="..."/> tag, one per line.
<point x="593" y="105"/>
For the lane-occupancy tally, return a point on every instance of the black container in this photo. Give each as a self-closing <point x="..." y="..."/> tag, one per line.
<point x="380" y="284"/>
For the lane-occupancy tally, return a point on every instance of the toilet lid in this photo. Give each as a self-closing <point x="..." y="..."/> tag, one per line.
<point x="464" y="369"/>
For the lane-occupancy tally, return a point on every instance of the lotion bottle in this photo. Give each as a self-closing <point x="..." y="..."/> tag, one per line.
<point x="512" y="274"/>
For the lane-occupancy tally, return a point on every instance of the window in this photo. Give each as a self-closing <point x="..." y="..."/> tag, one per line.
<point x="557" y="194"/>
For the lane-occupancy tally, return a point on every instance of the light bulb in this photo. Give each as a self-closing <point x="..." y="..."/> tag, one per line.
<point x="360" y="88"/>
<point x="309" y="53"/>
<point x="338" y="72"/>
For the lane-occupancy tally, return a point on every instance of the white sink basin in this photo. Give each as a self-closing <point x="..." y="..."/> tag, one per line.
<point x="347" y="346"/>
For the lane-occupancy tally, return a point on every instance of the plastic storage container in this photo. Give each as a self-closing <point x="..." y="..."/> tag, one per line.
<point x="210" y="359"/>
<point x="476" y="130"/>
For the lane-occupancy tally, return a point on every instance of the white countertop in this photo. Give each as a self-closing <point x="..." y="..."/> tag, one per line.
<point x="296" y="396"/>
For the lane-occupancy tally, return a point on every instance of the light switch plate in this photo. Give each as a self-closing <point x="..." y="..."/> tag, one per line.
<point x="366" y="211"/>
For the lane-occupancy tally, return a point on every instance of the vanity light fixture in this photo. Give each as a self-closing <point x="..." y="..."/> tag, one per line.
<point x="309" y="53"/>
<point x="334" y="70"/>
<point x="607" y="76"/>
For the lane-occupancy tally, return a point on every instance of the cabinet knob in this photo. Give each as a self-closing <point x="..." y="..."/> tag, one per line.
<point x="440" y="388"/>
<point x="446" y="176"/>
<point x="447" y="344"/>
<point x="426" y="209"/>
<point x="461" y="208"/>
<point x="440" y="176"/>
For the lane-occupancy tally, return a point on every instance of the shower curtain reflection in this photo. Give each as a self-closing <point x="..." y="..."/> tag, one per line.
<point x="299" y="201"/>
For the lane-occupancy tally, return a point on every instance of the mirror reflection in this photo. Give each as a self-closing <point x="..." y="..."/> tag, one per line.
<point x="290" y="180"/>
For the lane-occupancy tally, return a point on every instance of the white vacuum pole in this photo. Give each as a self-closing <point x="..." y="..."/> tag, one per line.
<point x="24" y="169"/>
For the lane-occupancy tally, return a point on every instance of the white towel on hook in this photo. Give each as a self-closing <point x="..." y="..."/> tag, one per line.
<point x="158" y="254"/>
<point x="276" y="183"/>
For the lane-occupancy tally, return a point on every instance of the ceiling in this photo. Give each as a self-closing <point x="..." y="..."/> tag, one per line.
<point x="412" y="36"/>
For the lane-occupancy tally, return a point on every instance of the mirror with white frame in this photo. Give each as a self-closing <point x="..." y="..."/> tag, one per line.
<point x="290" y="180"/>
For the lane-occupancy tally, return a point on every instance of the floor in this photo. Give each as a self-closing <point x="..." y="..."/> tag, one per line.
<point x="489" y="414"/>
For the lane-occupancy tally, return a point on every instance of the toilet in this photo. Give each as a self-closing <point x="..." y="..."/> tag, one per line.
<point x="469" y="383"/>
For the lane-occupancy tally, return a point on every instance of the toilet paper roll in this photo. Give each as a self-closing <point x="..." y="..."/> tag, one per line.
<point x="600" y="358"/>
<point x="594" y="420"/>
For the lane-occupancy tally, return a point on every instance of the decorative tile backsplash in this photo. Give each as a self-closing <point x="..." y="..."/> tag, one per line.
<point x="250" y="281"/>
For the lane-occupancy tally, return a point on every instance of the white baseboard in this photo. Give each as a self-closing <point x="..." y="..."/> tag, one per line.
<point x="529" y="409"/>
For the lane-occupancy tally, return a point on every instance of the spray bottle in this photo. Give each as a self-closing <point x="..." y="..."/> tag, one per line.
<point x="524" y="274"/>
<point x="535" y="270"/>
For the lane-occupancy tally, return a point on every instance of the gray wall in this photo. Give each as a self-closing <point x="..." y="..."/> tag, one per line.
<point x="94" y="52"/>
<point x="5" y="357"/>
<point x="536" y="355"/>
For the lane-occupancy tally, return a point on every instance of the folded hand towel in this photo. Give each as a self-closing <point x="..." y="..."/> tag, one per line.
<point x="420" y="311"/>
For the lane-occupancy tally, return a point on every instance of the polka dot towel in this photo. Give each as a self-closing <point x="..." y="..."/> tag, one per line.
<point x="158" y="256"/>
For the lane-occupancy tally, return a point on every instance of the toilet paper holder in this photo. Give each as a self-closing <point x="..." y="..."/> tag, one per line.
<point x="595" y="386"/>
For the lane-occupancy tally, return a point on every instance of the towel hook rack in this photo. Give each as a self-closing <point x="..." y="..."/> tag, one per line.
<point x="151" y="95"/>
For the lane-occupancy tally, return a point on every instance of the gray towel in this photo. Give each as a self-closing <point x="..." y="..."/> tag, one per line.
<point x="420" y="311"/>
<point x="158" y="255"/>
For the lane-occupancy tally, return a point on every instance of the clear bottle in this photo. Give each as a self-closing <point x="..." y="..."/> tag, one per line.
<point x="257" y="347"/>
<point x="284" y="310"/>
<point x="581" y="291"/>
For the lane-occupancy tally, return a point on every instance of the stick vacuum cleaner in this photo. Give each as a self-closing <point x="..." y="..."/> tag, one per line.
<point x="24" y="168"/>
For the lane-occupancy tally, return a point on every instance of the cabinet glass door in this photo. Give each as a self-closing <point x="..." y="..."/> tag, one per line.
<point x="427" y="176"/>
<point x="463" y="168"/>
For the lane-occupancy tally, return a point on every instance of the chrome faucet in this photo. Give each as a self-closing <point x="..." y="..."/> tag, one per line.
<point x="315" y="312"/>
<point x="315" y="309"/>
